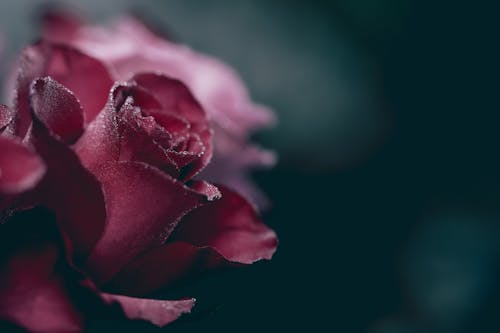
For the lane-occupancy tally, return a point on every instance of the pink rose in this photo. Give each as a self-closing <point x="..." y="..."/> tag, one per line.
<point x="128" y="47"/>
<point x="99" y="202"/>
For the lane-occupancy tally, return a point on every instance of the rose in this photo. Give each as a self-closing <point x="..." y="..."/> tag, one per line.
<point x="128" y="47"/>
<point x="98" y="201"/>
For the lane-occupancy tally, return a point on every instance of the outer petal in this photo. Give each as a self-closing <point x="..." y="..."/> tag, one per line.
<point x="231" y="226"/>
<point x="57" y="108"/>
<point x="129" y="47"/>
<point x="33" y="292"/>
<point x="69" y="190"/>
<point x="158" y="312"/>
<point x="87" y="77"/>
<point x="220" y="234"/>
<point x="143" y="207"/>
<point x="231" y="165"/>
<point x="20" y="168"/>
<point x="41" y="292"/>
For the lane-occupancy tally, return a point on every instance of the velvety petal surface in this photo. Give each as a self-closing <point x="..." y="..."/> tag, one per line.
<point x="219" y="234"/>
<point x="143" y="207"/>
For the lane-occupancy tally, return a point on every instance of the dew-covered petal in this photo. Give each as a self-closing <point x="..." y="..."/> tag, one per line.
<point x="177" y="99"/>
<point x="85" y="76"/>
<point x="231" y="226"/>
<point x="143" y="207"/>
<point x="223" y="233"/>
<point x="57" y="108"/>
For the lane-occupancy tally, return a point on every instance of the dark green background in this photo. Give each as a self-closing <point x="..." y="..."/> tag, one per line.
<point x="386" y="197"/>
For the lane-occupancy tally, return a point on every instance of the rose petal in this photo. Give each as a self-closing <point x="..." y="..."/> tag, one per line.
<point x="176" y="98"/>
<point x="120" y="132"/>
<point x="100" y="143"/>
<point x="33" y="290"/>
<point x="20" y="168"/>
<point x="57" y="108"/>
<point x="85" y="76"/>
<point x="58" y="25"/>
<point x="143" y="206"/>
<point x="6" y="117"/>
<point x="220" y="234"/>
<point x="69" y="190"/>
<point x="231" y="226"/>
<point x="231" y="165"/>
<point x="158" y="312"/>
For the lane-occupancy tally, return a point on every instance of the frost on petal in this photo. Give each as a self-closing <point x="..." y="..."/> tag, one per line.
<point x="57" y="108"/>
<point x="85" y="76"/>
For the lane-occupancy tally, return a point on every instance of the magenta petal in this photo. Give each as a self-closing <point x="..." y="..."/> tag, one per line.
<point x="173" y="95"/>
<point x="100" y="143"/>
<point x="219" y="234"/>
<point x="57" y="108"/>
<point x="210" y="191"/>
<point x="176" y="99"/>
<point x="158" y="312"/>
<point x="231" y="226"/>
<point x="59" y="25"/>
<point x="143" y="207"/>
<point x="121" y="132"/>
<point x="20" y="168"/>
<point x="85" y="76"/>
<point x="69" y="190"/>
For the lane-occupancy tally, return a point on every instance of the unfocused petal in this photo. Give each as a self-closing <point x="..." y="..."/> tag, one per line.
<point x="158" y="312"/>
<point x="34" y="292"/>
<point x="20" y="167"/>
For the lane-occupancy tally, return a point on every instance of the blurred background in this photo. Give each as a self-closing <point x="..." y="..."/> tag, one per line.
<point x="386" y="197"/>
